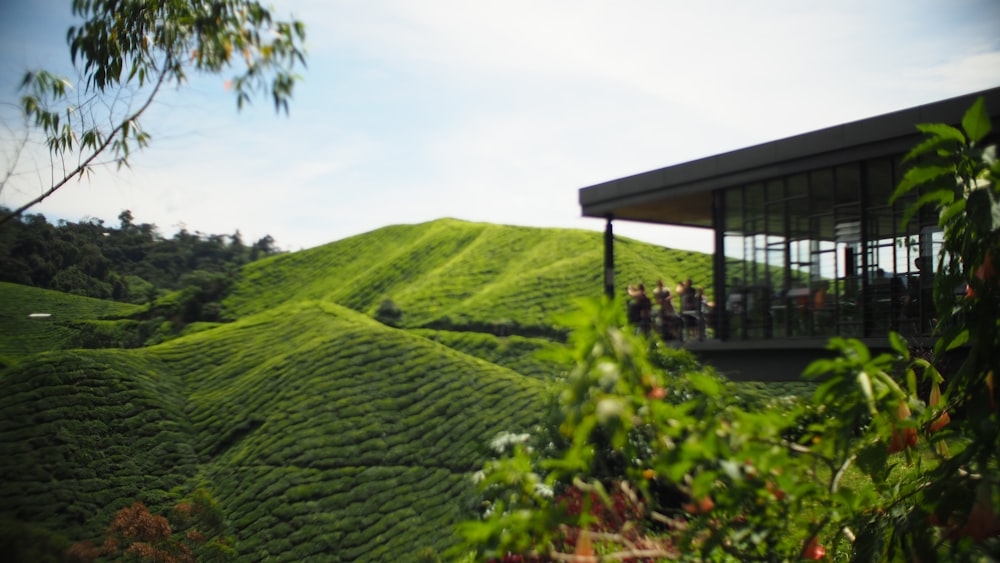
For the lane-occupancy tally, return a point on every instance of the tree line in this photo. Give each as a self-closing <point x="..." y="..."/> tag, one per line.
<point x="131" y="262"/>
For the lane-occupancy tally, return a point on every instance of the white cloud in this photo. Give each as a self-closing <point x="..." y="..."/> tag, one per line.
<point x="500" y="112"/>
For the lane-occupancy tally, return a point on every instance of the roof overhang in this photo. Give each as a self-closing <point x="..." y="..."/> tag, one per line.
<point x="682" y="194"/>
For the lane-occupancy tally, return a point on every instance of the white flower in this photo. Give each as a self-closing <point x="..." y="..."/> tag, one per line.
<point x="505" y="440"/>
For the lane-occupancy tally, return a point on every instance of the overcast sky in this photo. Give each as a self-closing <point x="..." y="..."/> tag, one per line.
<point x="500" y="111"/>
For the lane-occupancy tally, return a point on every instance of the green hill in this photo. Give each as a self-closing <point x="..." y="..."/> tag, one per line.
<point x="316" y="428"/>
<point x="69" y="318"/>
<point x="321" y="432"/>
<point x="455" y="274"/>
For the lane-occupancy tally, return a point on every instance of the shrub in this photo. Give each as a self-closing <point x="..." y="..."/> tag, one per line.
<point x="388" y="313"/>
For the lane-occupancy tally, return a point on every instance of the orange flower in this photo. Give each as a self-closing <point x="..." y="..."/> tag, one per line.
<point x="982" y="522"/>
<point x="942" y="419"/>
<point x="902" y="438"/>
<point x="584" y="549"/>
<point x="989" y="387"/>
<point x="702" y="506"/>
<point x="986" y="273"/>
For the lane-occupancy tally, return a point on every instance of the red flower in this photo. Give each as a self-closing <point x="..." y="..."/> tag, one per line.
<point x="813" y="551"/>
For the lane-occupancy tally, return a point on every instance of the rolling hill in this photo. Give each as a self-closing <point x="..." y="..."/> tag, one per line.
<point x="67" y="317"/>
<point x="321" y="432"/>
<point x="460" y="275"/>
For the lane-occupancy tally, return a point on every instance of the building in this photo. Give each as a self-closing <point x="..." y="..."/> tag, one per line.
<point x="807" y="244"/>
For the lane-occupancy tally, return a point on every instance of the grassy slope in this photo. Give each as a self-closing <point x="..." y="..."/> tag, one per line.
<point x="458" y="273"/>
<point x="355" y="436"/>
<point x="24" y="336"/>
<point x="318" y="429"/>
<point x="527" y="356"/>
<point x="83" y="432"/>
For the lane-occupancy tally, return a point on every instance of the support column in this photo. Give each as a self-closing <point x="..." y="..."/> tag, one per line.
<point x="719" y="265"/>
<point x="868" y="320"/>
<point x="609" y="259"/>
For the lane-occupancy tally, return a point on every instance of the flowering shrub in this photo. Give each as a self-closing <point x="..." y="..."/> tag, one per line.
<point x="135" y="534"/>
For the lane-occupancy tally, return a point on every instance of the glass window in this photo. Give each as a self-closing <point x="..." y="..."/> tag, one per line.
<point x="823" y="252"/>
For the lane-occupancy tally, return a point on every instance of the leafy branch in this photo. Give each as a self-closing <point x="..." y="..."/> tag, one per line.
<point x="92" y="139"/>
<point x="131" y="44"/>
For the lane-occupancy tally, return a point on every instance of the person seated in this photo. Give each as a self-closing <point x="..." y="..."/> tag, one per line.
<point x="822" y="311"/>
<point x="819" y="295"/>
<point x="660" y="293"/>
<point x="691" y="311"/>
<point x="667" y="317"/>
<point x="640" y="312"/>
<point x="633" y="313"/>
<point x="735" y="304"/>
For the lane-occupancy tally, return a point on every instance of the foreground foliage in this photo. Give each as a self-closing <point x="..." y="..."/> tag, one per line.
<point x="646" y="458"/>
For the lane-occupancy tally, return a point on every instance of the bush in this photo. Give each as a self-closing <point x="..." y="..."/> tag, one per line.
<point x="388" y="313"/>
<point x="107" y="334"/>
<point x="26" y="542"/>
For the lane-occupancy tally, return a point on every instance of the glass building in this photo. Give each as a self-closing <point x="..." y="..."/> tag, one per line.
<point x="807" y="244"/>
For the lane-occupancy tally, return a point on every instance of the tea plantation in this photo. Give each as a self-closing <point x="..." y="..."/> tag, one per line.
<point x="457" y="275"/>
<point x="62" y="319"/>
<point x="322" y="433"/>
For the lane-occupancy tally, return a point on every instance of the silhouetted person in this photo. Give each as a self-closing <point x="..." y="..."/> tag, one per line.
<point x="640" y="309"/>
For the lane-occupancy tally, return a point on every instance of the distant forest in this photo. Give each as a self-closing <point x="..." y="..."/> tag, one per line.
<point x="131" y="262"/>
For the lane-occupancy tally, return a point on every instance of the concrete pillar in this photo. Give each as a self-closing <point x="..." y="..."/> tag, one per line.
<point x="609" y="260"/>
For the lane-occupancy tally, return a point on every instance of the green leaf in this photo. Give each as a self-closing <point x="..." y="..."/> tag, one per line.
<point x="918" y="176"/>
<point x="943" y="131"/>
<point x="826" y="389"/>
<point x="899" y="345"/>
<point x="934" y="143"/>
<point x="959" y="340"/>
<point x="861" y="352"/>
<point x="865" y="384"/>
<point x="705" y="384"/>
<point x="976" y="121"/>
<point x="929" y="370"/>
<point x="872" y="460"/>
<point x="982" y="212"/>
<point x="952" y="211"/>
<point x="818" y="368"/>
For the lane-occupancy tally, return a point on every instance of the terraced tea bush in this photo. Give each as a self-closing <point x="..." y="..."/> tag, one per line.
<point x="60" y="320"/>
<point x="456" y="275"/>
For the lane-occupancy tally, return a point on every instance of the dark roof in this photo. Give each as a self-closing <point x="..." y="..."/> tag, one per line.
<point x="682" y="194"/>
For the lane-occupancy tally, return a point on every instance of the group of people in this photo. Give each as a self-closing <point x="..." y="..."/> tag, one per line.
<point x="677" y="316"/>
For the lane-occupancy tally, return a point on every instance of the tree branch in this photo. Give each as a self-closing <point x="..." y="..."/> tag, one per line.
<point x="85" y="164"/>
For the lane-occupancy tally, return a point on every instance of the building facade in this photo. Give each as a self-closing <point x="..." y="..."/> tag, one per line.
<point x="807" y="242"/>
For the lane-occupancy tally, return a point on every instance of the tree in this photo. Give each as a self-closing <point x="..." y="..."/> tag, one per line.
<point x="127" y="51"/>
<point x="193" y="531"/>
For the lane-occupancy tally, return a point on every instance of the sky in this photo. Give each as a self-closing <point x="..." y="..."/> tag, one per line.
<point x="496" y="112"/>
